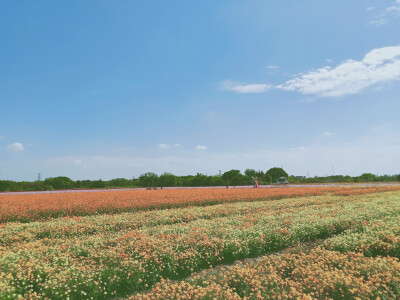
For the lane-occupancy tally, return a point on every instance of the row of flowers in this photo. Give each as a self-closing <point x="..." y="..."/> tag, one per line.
<point x="41" y="207"/>
<point x="320" y="274"/>
<point x="380" y="238"/>
<point x="103" y="263"/>
<point x="78" y="226"/>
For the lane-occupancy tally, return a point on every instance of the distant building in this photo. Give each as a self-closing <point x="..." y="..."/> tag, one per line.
<point x="282" y="180"/>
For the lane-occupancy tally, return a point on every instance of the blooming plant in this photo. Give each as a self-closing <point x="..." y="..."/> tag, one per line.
<point x="103" y="256"/>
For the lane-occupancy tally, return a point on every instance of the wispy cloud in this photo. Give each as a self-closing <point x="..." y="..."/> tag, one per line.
<point x="164" y="146"/>
<point x="300" y="148"/>
<point x="383" y="17"/>
<point x="201" y="147"/>
<point x="15" y="147"/>
<point x="167" y="146"/>
<point x="378" y="66"/>
<point x="241" y="88"/>
<point x="351" y="77"/>
<point x="395" y="8"/>
<point x="370" y="8"/>
<point x="272" y="67"/>
<point x="375" y="151"/>
<point x="379" y="21"/>
<point x="329" y="133"/>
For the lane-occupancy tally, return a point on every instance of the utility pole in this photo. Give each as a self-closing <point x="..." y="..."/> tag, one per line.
<point x="39" y="176"/>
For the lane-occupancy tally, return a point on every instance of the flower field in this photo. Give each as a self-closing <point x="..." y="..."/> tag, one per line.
<point x="320" y="274"/>
<point x="31" y="207"/>
<point x="157" y="244"/>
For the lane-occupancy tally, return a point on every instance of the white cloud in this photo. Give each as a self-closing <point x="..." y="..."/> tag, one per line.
<point x="376" y="151"/>
<point x="301" y="148"/>
<point x="394" y="8"/>
<point x="241" y="88"/>
<point x="351" y="77"/>
<point x="15" y="147"/>
<point x="167" y="146"/>
<point x="164" y="146"/>
<point x="272" y="67"/>
<point x="370" y="8"/>
<point x="384" y="16"/>
<point x="379" y="22"/>
<point x="328" y="133"/>
<point x="201" y="147"/>
<point x="379" y="66"/>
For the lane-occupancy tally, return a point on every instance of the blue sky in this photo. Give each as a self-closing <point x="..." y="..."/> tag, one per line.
<point x="106" y="89"/>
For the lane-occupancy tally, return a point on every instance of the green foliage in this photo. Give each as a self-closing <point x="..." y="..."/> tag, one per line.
<point x="98" y="184"/>
<point x="167" y="179"/>
<point x="215" y="180"/>
<point x="276" y="173"/>
<point x="6" y="185"/>
<point x="59" y="183"/>
<point x="367" y="177"/>
<point x="119" y="182"/>
<point x="232" y="177"/>
<point x="250" y="173"/>
<point x="148" y="179"/>
<point x="200" y="180"/>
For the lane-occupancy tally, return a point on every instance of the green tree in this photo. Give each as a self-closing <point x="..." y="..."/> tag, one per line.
<point x="232" y="177"/>
<point x="267" y="179"/>
<point x="98" y="184"/>
<point x="59" y="183"/>
<point x="250" y="173"/>
<point x="367" y="177"/>
<point x="215" y="180"/>
<point x="119" y="182"/>
<point x="199" y="180"/>
<point x="276" y="173"/>
<point x="167" y="179"/>
<point x="148" y="179"/>
<point x="6" y="185"/>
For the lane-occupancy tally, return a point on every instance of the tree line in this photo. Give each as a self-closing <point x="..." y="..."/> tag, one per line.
<point x="150" y="179"/>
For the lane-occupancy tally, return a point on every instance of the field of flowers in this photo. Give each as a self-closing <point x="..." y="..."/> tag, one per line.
<point x="380" y="237"/>
<point x="31" y="207"/>
<point x="158" y="247"/>
<point x="319" y="274"/>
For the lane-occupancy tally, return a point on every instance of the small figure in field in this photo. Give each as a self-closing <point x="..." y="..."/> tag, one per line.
<point x="255" y="182"/>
